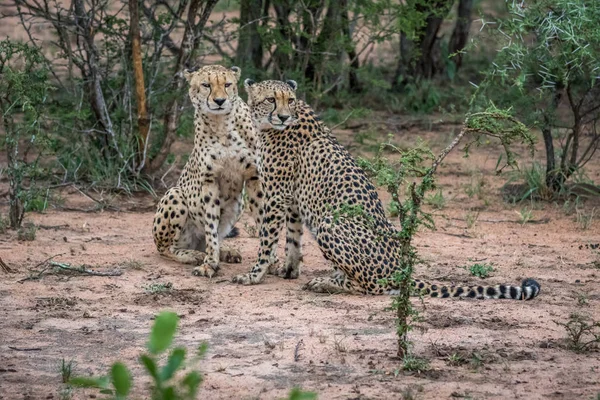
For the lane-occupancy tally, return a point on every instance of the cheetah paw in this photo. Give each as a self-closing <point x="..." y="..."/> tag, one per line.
<point x="230" y="256"/>
<point x="245" y="279"/>
<point x="204" y="270"/>
<point x="322" y="285"/>
<point x="288" y="272"/>
<point x="273" y="266"/>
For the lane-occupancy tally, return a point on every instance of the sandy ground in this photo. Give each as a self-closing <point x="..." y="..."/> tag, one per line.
<point x="265" y="339"/>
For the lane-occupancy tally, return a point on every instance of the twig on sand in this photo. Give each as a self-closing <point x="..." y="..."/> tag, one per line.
<point x="5" y="267"/>
<point x="82" y="270"/>
<point x="53" y="267"/>
<point x="24" y="348"/>
<point x="297" y="349"/>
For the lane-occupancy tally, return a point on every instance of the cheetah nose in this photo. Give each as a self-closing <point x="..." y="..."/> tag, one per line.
<point x="219" y="101"/>
<point x="283" y="118"/>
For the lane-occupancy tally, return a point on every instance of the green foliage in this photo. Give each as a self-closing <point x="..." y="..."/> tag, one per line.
<point x="502" y="125"/>
<point x="27" y="232"/>
<point x="158" y="287"/>
<point x="481" y="270"/>
<point x="66" y="370"/>
<point x="525" y="215"/>
<point x="436" y="200"/>
<point x="4" y="224"/>
<point x="548" y="61"/>
<point x="24" y="89"/>
<point x="408" y="170"/>
<point x="298" y="394"/>
<point x="583" y="333"/>
<point x="169" y="382"/>
<point x="585" y="219"/>
<point x="415" y="364"/>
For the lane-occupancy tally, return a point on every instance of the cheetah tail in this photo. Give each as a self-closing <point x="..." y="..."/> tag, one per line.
<point x="528" y="290"/>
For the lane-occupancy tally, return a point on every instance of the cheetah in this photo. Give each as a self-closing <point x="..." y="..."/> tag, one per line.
<point x="307" y="177"/>
<point x="195" y="216"/>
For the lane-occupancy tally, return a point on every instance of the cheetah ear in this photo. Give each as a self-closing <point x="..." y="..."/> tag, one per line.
<point x="292" y="84"/>
<point x="248" y="84"/>
<point x="237" y="72"/>
<point x="189" y="72"/>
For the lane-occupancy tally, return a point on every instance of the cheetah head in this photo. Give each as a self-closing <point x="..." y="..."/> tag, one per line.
<point x="273" y="103"/>
<point x="213" y="88"/>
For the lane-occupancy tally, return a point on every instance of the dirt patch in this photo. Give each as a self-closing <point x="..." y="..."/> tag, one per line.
<point x="476" y="349"/>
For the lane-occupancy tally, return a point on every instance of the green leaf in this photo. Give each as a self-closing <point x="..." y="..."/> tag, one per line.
<point x="90" y="382"/>
<point x="192" y="381"/>
<point x="202" y="349"/>
<point x="121" y="379"/>
<point x="173" y="363"/>
<point x="163" y="331"/>
<point x="150" y="366"/>
<point x="298" y="394"/>
<point x="169" y="394"/>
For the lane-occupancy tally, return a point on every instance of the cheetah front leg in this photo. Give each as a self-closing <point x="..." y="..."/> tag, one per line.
<point x="256" y="198"/>
<point x="269" y="236"/>
<point x="212" y="210"/>
<point x="293" y="244"/>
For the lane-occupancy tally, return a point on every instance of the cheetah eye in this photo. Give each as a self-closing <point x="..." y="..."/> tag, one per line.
<point x="206" y="84"/>
<point x="227" y="84"/>
<point x="291" y="101"/>
<point x="271" y="99"/>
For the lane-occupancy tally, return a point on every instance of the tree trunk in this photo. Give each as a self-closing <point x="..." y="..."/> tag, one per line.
<point x="16" y="210"/>
<point x="249" y="50"/>
<point x="554" y="177"/>
<point x="187" y="51"/>
<point x="405" y="67"/>
<point x="421" y="58"/>
<point x="328" y="41"/>
<point x="282" y="61"/>
<point x="85" y="31"/>
<point x="140" y="89"/>
<point x="460" y="34"/>
<point x="353" y="81"/>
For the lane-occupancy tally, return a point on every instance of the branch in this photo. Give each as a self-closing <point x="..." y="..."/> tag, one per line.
<point x="83" y="270"/>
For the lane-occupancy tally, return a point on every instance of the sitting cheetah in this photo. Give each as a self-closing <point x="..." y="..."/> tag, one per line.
<point x="193" y="217"/>
<point x="307" y="176"/>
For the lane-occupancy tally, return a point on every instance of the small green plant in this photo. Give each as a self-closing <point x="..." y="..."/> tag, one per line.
<point x="582" y="299"/>
<point x="480" y="270"/>
<point x="158" y="287"/>
<point x="436" y="200"/>
<point x="476" y="361"/>
<point x="166" y="384"/>
<point x="412" y="363"/>
<point x="338" y="344"/>
<point x="133" y="264"/>
<point x="4" y="224"/>
<point x="584" y="219"/>
<point x="583" y="333"/>
<point x="27" y="232"/>
<point x="525" y="215"/>
<point x="471" y="219"/>
<point x="476" y="186"/>
<point x="455" y="360"/>
<point x="66" y="370"/>
<point x="298" y="394"/>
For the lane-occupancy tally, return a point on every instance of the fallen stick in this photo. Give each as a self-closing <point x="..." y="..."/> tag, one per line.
<point x="5" y="267"/>
<point x="83" y="270"/>
<point x="24" y="349"/>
